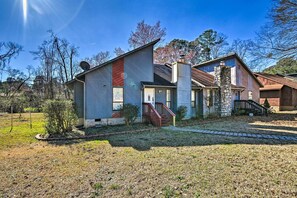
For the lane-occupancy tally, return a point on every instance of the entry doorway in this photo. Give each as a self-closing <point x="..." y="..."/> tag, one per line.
<point x="149" y="96"/>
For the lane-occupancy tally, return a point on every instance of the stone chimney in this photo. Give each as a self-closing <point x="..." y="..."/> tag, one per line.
<point x="181" y="75"/>
<point x="222" y="75"/>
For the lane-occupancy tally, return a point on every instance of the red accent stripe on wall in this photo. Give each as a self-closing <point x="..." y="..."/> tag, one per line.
<point x="118" y="73"/>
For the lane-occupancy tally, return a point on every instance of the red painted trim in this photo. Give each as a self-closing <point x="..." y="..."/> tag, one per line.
<point x="118" y="73"/>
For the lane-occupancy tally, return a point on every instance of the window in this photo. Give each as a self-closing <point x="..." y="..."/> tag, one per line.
<point x="193" y="99"/>
<point x="118" y="98"/>
<point x="250" y="95"/>
<point x="209" y="98"/>
<point x="168" y="98"/>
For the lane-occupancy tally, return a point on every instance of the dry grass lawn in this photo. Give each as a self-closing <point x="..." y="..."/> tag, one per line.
<point x="284" y="123"/>
<point x="155" y="164"/>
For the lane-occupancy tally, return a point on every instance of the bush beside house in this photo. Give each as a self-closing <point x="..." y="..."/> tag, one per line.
<point x="130" y="113"/>
<point x="60" y="116"/>
<point x="181" y="112"/>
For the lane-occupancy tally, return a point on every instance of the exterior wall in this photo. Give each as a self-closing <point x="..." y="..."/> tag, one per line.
<point x="137" y="67"/>
<point x="246" y="80"/>
<point x="209" y="110"/>
<point x="160" y="95"/>
<point x="273" y="98"/>
<point x="230" y="62"/>
<point x="200" y="102"/>
<point x="286" y="100"/>
<point x="235" y="96"/>
<point x="99" y="93"/>
<point x="294" y="98"/>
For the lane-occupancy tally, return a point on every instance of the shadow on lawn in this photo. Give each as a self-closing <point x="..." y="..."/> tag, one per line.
<point x="163" y="138"/>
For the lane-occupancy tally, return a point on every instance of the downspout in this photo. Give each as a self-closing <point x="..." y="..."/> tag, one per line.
<point x="84" y="99"/>
<point x="141" y="104"/>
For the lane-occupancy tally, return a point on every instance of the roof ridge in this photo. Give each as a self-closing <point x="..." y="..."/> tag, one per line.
<point x="119" y="57"/>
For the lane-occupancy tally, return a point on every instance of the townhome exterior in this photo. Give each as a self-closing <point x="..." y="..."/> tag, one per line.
<point x="158" y="90"/>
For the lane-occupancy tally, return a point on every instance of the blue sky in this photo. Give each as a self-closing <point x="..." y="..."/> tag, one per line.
<point x="100" y="25"/>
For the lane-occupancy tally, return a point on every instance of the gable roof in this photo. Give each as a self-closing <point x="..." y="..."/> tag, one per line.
<point x="278" y="79"/>
<point x="118" y="57"/>
<point x="228" y="56"/>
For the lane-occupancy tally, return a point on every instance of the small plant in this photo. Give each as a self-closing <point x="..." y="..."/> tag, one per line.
<point x="129" y="191"/>
<point x="181" y="112"/>
<point x="130" y="113"/>
<point x="114" y="187"/>
<point x="180" y="178"/>
<point x="266" y="104"/>
<point x="97" y="187"/>
<point x="169" y="192"/>
<point x="60" y="116"/>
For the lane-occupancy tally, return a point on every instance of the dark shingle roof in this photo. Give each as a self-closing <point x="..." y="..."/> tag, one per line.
<point x="159" y="81"/>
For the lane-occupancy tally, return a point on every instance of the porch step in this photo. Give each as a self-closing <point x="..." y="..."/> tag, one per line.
<point x="165" y="120"/>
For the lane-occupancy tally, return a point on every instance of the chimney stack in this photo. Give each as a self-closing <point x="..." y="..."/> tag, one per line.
<point x="182" y="75"/>
<point x="224" y="95"/>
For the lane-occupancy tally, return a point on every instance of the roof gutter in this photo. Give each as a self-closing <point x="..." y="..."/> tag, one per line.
<point x="198" y="83"/>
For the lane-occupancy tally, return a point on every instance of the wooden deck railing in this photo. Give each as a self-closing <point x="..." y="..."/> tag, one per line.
<point x="150" y="113"/>
<point x="163" y="109"/>
<point x="250" y="106"/>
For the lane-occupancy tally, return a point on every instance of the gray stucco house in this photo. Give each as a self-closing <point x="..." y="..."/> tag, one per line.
<point x="158" y="90"/>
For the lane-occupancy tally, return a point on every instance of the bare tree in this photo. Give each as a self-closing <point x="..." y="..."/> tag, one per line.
<point x="277" y="39"/>
<point x="8" y="50"/>
<point x="146" y="33"/>
<point x="242" y="48"/>
<point x="118" y="51"/>
<point x="99" y="58"/>
<point x="57" y="59"/>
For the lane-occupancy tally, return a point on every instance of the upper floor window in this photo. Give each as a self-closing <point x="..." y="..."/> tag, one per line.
<point x="117" y="98"/>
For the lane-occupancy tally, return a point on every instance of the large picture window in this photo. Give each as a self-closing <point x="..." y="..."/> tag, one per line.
<point x="168" y="98"/>
<point x="117" y="98"/>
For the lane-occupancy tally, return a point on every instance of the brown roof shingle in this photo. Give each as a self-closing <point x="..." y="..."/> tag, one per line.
<point x="278" y="79"/>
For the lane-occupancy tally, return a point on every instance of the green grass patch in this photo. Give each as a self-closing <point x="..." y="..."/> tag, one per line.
<point x="21" y="132"/>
